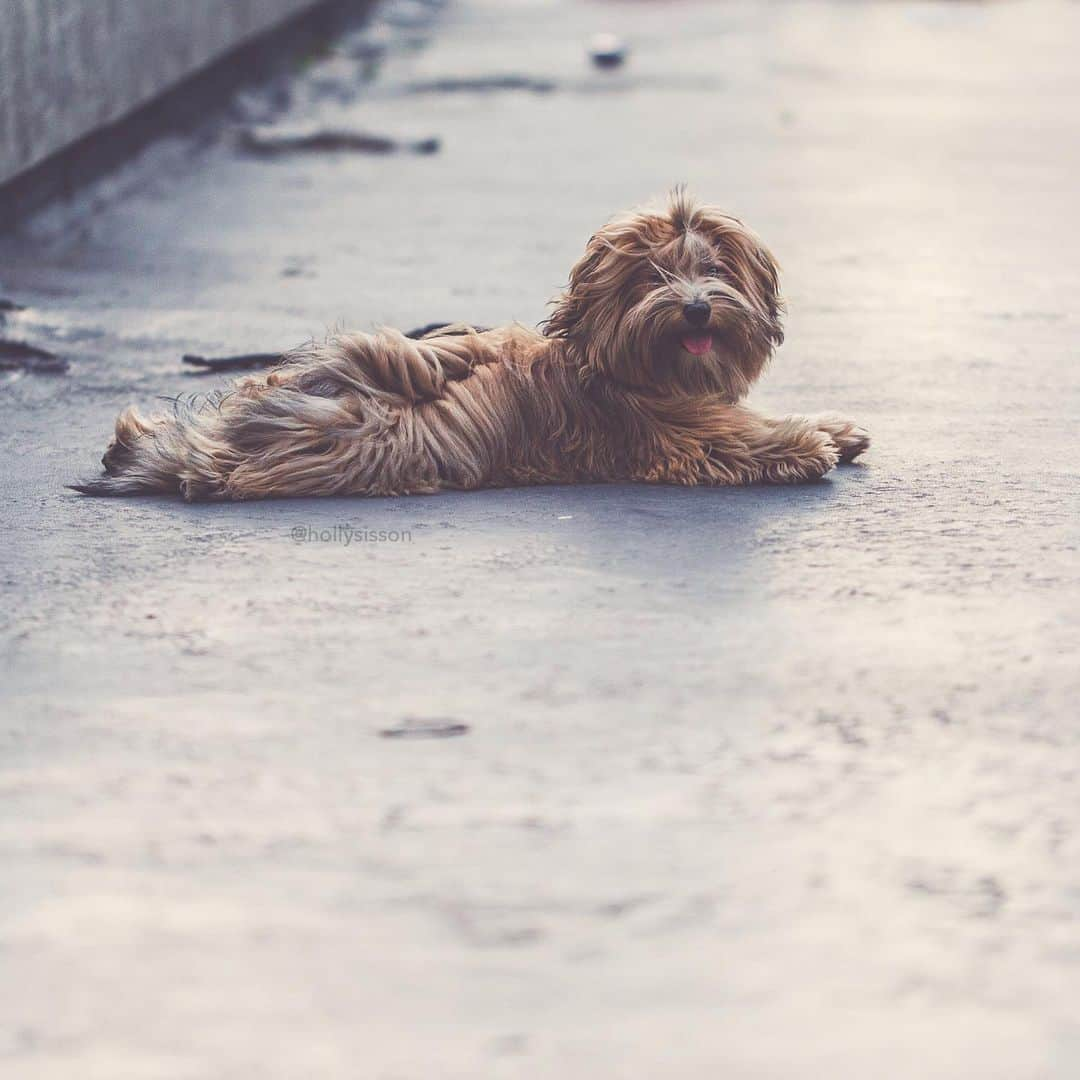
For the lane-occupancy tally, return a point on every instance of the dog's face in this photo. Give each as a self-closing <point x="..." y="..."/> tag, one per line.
<point x="684" y="299"/>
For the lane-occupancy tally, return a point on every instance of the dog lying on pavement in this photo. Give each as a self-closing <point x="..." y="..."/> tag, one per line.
<point x="638" y="375"/>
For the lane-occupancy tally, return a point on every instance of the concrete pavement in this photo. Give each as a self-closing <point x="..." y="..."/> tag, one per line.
<point x="764" y="783"/>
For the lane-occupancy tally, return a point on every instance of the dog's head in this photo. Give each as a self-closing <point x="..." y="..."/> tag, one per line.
<point x="683" y="298"/>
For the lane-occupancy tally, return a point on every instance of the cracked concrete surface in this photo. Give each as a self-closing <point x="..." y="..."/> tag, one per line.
<point x="763" y="783"/>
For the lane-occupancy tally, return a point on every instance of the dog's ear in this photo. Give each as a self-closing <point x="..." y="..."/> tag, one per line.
<point x="760" y="267"/>
<point x="757" y="269"/>
<point x="767" y="272"/>
<point x="570" y="306"/>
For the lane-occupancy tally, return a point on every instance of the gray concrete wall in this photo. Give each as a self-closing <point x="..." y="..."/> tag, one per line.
<point x="70" y="66"/>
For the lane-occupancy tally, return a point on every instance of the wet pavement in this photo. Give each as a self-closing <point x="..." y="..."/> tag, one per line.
<point x="595" y="781"/>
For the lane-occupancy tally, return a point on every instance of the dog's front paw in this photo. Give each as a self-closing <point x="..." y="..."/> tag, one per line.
<point x="851" y="440"/>
<point x="808" y="456"/>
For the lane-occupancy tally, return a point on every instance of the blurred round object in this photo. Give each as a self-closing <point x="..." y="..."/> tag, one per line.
<point x="607" y="50"/>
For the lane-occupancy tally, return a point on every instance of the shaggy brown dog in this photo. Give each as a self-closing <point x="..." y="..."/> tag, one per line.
<point x="668" y="319"/>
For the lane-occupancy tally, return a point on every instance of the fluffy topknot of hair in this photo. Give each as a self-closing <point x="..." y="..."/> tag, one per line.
<point x="682" y="208"/>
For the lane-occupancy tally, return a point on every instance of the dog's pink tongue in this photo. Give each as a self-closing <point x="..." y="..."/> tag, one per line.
<point x="698" y="344"/>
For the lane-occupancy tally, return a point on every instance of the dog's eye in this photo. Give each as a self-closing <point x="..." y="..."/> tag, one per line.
<point x="714" y="270"/>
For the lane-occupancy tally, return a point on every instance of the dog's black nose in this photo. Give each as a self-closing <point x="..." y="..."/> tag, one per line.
<point x="697" y="312"/>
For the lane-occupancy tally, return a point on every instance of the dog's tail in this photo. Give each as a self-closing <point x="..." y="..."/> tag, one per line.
<point x="160" y="454"/>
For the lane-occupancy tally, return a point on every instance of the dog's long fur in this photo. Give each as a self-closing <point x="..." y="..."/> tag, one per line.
<point x="612" y="388"/>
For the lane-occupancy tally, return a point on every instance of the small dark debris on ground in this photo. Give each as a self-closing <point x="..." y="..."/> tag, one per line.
<point x="18" y="356"/>
<point x="448" y="327"/>
<point x="607" y="51"/>
<point x="413" y="727"/>
<point x="272" y="140"/>
<point x="245" y="362"/>
<point x="482" y="84"/>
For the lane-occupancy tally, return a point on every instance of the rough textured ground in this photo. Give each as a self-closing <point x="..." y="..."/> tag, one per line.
<point x="756" y="783"/>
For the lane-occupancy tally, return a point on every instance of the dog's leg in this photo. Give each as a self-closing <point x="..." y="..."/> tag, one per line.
<point x="374" y="414"/>
<point x="850" y="439"/>
<point x="341" y="417"/>
<point x="740" y="446"/>
<point x="284" y="443"/>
